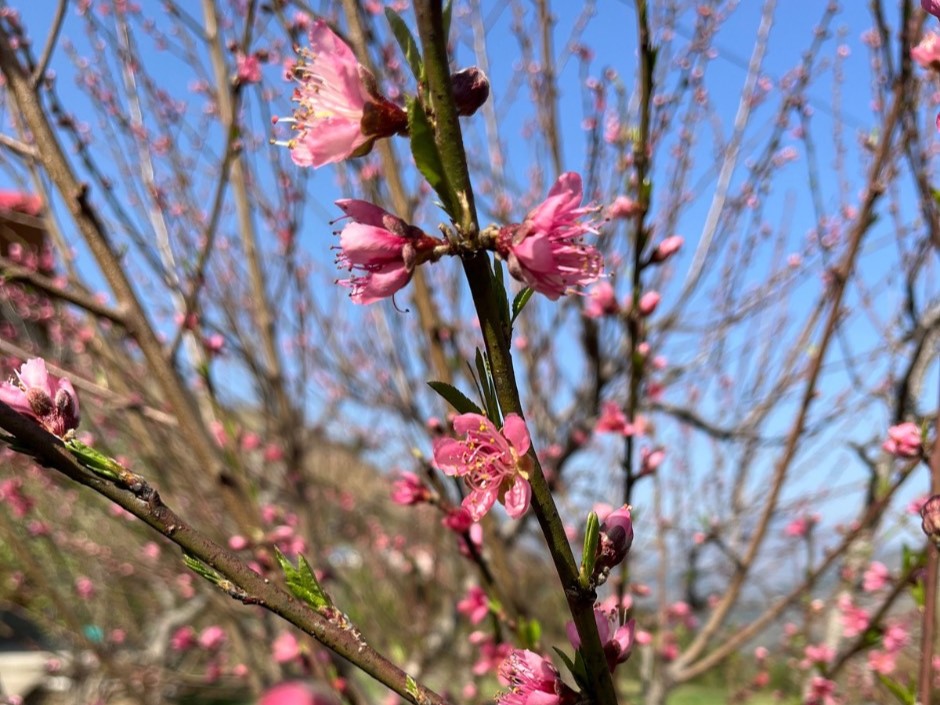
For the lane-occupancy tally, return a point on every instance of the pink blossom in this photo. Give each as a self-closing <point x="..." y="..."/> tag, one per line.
<point x="613" y="420"/>
<point x="895" y="637"/>
<point x="881" y="662"/>
<point x="285" y="648"/>
<point x="475" y="605"/>
<point x="651" y="459"/>
<point x="602" y="301"/>
<point x="296" y="693"/>
<point x="931" y="7"/>
<point x="617" y="642"/>
<point x="183" y="639"/>
<point x="648" y="303"/>
<point x="382" y="247"/>
<point x="821" y="691"/>
<point x="84" y="587"/>
<point x="927" y="52"/>
<point x="622" y="207"/>
<point x="19" y="202"/>
<point x="546" y="251"/>
<point x="818" y="653"/>
<point x="491" y="653"/>
<point x="211" y="638"/>
<point x="800" y="526"/>
<point x="340" y="112"/>
<point x="903" y="440"/>
<point x="532" y="680"/>
<point x="37" y="394"/>
<point x="408" y="490"/>
<point x="493" y="463"/>
<point x="667" y="248"/>
<point x="875" y="577"/>
<point x="854" y="619"/>
<point x="247" y="68"/>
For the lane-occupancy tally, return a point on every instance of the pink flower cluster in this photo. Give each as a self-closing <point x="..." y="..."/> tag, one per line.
<point x="903" y="440"/>
<point x="35" y="393"/>
<point x="340" y="113"/>
<point x="546" y="251"/>
<point x="617" y="639"/>
<point x="492" y="462"/>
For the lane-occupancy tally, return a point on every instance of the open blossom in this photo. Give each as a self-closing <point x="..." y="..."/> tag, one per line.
<point x="903" y="440"/>
<point x="602" y="301"/>
<point x="532" y="680"/>
<point x="546" y="251"/>
<point x="617" y="639"/>
<point x="408" y="489"/>
<point x="492" y="462"/>
<point x="382" y="248"/>
<point x="340" y="112"/>
<point x="875" y="577"/>
<point x="475" y="605"/>
<point x="35" y="393"/>
<point x="927" y="52"/>
<point x="247" y="68"/>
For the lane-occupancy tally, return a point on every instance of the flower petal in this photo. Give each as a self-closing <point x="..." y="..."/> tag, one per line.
<point x="516" y="500"/>
<point x="516" y="432"/>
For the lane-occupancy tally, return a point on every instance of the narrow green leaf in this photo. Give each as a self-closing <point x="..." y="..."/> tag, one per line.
<point x="201" y="569"/>
<point x="518" y="303"/>
<point x="448" y="13"/>
<point x="569" y="664"/>
<point x="501" y="295"/>
<point x="530" y="632"/>
<point x="98" y="463"/>
<point x="592" y="535"/>
<point x="302" y="582"/>
<point x="426" y="156"/>
<point x="455" y="398"/>
<point x="411" y="687"/>
<point x="489" y="391"/>
<point x="901" y="692"/>
<point x="409" y="47"/>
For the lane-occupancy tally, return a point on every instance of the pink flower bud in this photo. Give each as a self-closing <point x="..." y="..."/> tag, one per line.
<point x="648" y="303"/>
<point x="931" y="7"/>
<point x="616" y="537"/>
<point x="409" y="490"/>
<point x="622" y="207"/>
<point x="904" y="440"/>
<point x="667" y="248"/>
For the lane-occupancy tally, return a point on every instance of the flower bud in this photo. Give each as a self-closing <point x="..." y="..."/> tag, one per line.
<point x="471" y="89"/>
<point x="667" y="248"/>
<point x="614" y="544"/>
<point x="930" y="513"/>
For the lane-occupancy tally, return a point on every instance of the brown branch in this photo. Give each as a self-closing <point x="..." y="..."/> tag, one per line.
<point x="133" y="493"/>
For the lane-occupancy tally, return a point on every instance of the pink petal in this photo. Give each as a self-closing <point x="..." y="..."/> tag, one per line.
<point x="477" y="423"/>
<point x="516" y="432"/>
<point x="363" y="211"/>
<point x="449" y="455"/>
<point x="368" y="245"/>
<point x="15" y="398"/>
<point x="332" y="140"/>
<point x="479" y="502"/>
<point x="516" y="500"/>
<point x="382" y="284"/>
<point x="34" y="374"/>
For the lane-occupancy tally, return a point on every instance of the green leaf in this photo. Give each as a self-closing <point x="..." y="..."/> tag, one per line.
<point x="302" y="582"/>
<point x="426" y="156"/>
<point x="489" y="390"/>
<point x="592" y="535"/>
<point x="448" y="12"/>
<point x="411" y="687"/>
<point x="569" y="664"/>
<point x="902" y="693"/>
<point x="501" y="295"/>
<point x="98" y="463"/>
<point x="455" y="398"/>
<point x="201" y="569"/>
<point x="518" y="303"/>
<point x="409" y="47"/>
<point x="530" y="631"/>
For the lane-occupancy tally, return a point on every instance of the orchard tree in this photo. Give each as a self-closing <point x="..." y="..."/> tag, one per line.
<point x="574" y="353"/>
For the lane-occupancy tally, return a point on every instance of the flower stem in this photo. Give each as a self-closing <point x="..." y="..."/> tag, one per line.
<point x="496" y="339"/>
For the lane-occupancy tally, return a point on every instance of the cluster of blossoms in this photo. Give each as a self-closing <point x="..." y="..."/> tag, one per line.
<point x="34" y="392"/>
<point x="492" y="462"/>
<point x="341" y="113"/>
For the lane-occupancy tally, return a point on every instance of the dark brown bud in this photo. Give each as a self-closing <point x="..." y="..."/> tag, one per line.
<point x="471" y="89"/>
